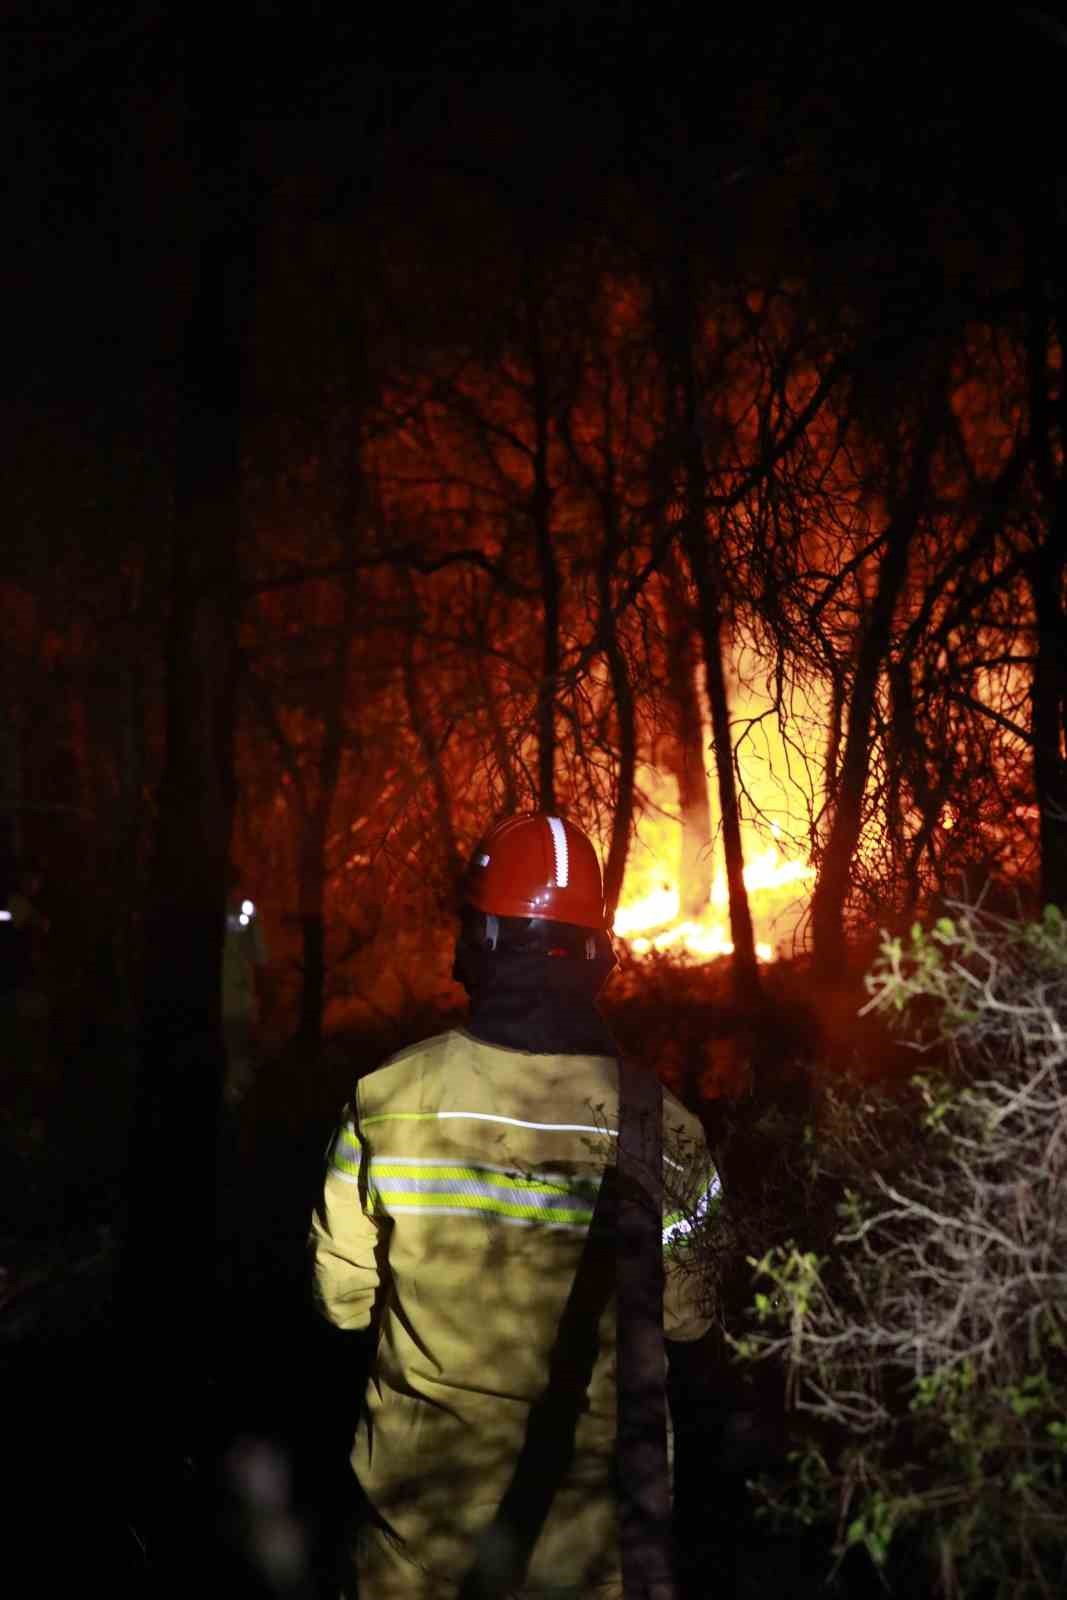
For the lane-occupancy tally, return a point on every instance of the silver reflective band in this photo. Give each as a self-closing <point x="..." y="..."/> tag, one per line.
<point x="679" y="1230"/>
<point x="559" y="845"/>
<point x="517" y="1122"/>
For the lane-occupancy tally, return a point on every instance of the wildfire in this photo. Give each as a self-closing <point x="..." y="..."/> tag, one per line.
<point x="653" y="922"/>
<point x="675" y="896"/>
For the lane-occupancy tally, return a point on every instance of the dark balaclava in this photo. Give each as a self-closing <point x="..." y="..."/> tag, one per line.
<point x="533" y="984"/>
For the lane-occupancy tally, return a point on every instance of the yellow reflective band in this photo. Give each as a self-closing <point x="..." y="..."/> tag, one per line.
<point x="441" y="1187"/>
<point x="347" y="1152"/>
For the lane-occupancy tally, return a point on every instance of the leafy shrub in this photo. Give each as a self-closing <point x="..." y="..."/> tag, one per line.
<point x="925" y="1344"/>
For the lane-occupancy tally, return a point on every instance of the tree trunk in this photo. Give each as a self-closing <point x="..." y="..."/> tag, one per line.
<point x="1046" y="261"/>
<point x="168" y="1267"/>
<point x="315" y="822"/>
<point x="497" y="737"/>
<point x="831" y="888"/>
<point x="314" y="832"/>
<point x="681" y="331"/>
<point x="312" y="891"/>
<point x="541" y="518"/>
<point x="132" y="763"/>
<point x="430" y="747"/>
<point x="622" y="691"/>
<point x="10" y="779"/>
<point x="747" y="986"/>
<point x="1048" y="714"/>
<point x="746" y="980"/>
<point x="685" y="749"/>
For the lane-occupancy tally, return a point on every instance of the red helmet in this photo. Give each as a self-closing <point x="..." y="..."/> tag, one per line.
<point x="537" y="866"/>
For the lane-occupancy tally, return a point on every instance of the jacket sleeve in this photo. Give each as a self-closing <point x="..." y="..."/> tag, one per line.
<point x="345" y="1239"/>
<point x="692" y="1196"/>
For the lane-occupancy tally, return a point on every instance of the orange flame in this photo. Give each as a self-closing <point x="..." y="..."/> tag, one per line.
<point x="651" y="922"/>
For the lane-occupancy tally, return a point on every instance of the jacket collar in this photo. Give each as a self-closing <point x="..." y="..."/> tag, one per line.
<point x="542" y="1004"/>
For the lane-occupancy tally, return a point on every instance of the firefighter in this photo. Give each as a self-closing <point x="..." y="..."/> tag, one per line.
<point x="456" y="1229"/>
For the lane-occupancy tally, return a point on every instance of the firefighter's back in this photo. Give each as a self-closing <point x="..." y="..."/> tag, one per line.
<point x="481" y="1165"/>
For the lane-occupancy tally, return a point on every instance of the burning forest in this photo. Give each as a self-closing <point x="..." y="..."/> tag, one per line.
<point x="670" y="447"/>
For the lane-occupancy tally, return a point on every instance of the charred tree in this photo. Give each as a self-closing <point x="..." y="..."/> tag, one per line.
<point x="317" y="797"/>
<point x="1046" y="565"/>
<point x="746" y="973"/>
<point x="431" y="748"/>
<point x="167" y="1282"/>
<point x="600" y="473"/>
<point x="315" y="823"/>
<point x="183" y="1057"/>
<point x="547" y="564"/>
<point x="498" y="739"/>
<point x="872" y="658"/>
<point x="705" y="569"/>
<point x="623" y="697"/>
<point x="1048" y="699"/>
<point x="684" y="746"/>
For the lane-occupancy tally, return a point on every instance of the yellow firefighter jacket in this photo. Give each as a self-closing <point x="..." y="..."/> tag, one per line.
<point x="458" y="1201"/>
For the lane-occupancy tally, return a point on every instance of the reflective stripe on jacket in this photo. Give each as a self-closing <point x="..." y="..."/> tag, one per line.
<point x="458" y="1201"/>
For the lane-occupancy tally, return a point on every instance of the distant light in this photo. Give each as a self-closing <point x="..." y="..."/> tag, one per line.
<point x="244" y="919"/>
<point x="5" y="916"/>
<point x="247" y="907"/>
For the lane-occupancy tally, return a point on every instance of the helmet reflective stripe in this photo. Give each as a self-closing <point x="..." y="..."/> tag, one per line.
<point x="559" y="845"/>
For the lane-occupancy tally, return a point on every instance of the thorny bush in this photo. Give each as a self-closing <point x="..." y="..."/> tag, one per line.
<point x="924" y="1341"/>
